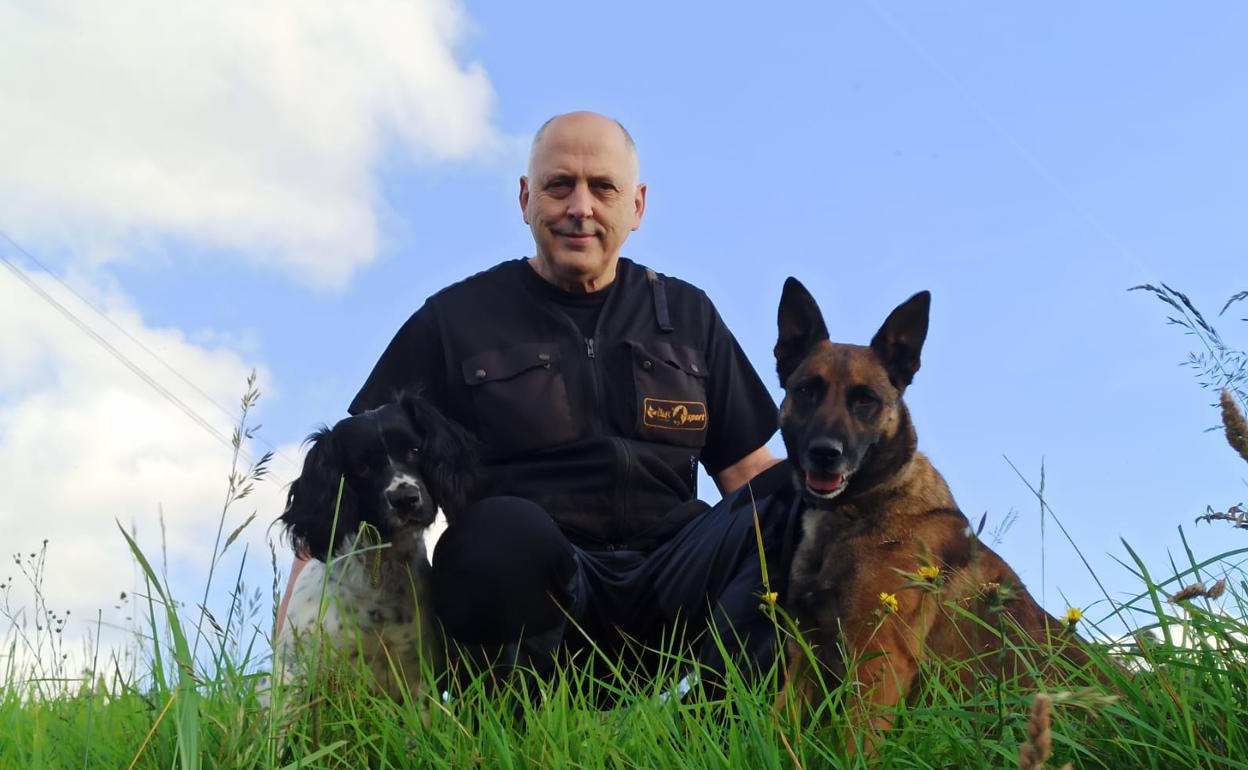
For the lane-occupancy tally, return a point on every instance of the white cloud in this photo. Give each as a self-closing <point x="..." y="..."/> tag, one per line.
<point x="253" y="127"/>
<point x="84" y="442"/>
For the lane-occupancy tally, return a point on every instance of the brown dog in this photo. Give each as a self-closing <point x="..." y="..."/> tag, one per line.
<point x="887" y="571"/>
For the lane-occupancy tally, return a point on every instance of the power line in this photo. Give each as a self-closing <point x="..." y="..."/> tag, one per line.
<point x="121" y="357"/>
<point x="1028" y="157"/>
<point x="108" y="319"/>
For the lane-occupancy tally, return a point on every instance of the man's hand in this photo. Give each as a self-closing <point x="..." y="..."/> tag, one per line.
<point x="733" y="477"/>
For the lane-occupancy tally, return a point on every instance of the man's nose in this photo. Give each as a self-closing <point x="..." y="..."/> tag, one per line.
<point x="581" y="202"/>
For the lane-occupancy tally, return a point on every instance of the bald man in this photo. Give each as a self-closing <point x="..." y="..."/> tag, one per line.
<point x="596" y="387"/>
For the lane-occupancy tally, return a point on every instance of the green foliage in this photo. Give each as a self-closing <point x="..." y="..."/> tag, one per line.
<point x="1217" y="364"/>
<point x="1174" y="694"/>
<point x="1176" y="703"/>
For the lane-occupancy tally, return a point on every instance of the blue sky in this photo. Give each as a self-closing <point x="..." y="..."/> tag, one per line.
<point x="1025" y="164"/>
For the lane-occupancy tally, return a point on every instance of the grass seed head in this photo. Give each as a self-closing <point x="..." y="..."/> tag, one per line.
<point x="1186" y="593"/>
<point x="1235" y="424"/>
<point x="1217" y="590"/>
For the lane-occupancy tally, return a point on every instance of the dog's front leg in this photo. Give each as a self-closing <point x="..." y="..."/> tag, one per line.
<point x="887" y="651"/>
<point x="795" y="693"/>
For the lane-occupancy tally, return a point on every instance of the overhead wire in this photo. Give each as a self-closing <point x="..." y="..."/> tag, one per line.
<point x="121" y="357"/>
<point x="1015" y="144"/>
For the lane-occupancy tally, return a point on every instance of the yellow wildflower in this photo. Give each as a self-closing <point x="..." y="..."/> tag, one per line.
<point x="1073" y="615"/>
<point x="889" y="601"/>
<point x="929" y="572"/>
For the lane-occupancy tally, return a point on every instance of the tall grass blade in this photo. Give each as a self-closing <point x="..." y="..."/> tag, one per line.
<point x="187" y="716"/>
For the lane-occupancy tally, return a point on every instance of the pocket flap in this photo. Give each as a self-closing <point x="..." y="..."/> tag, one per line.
<point x="494" y="365"/>
<point x="687" y="360"/>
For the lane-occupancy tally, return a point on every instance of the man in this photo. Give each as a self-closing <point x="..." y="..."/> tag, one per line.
<point x="596" y="387"/>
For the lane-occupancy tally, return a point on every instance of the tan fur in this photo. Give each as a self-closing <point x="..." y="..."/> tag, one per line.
<point x="895" y="515"/>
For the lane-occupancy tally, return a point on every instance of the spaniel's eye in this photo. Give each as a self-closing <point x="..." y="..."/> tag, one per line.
<point x="413" y="454"/>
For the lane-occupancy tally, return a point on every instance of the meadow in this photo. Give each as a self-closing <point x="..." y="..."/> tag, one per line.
<point x="1172" y="693"/>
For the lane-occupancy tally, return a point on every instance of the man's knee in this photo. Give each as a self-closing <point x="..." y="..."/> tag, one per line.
<point x="502" y="570"/>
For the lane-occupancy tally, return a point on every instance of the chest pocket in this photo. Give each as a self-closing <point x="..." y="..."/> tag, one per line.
<point x="520" y="398"/>
<point x="670" y="386"/>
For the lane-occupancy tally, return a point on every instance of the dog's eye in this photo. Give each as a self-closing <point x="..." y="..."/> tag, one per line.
<point x="413" y="454"/>
<point x="863" y="403"/>
<point x="362" y="471"/>
<point x="807" y="390"/>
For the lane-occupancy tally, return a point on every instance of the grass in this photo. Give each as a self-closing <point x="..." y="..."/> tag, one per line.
<point x="1173" y="693"/>
<point x="1184" y="704"/>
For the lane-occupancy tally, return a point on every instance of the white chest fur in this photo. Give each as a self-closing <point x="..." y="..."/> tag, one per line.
<point x="374" y="607"/>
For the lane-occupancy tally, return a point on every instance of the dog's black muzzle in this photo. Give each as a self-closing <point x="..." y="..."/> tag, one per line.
<point x="824" y="455"/>
<point x="411" y="503"/>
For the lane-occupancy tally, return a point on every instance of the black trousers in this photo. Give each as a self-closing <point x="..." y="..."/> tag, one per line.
<point x="504" y="574"/>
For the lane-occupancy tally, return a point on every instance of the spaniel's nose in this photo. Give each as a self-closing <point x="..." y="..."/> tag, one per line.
<point x="404" y="498"/>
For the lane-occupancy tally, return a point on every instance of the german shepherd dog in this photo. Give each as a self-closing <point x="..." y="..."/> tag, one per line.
<point x="887" y="572"/>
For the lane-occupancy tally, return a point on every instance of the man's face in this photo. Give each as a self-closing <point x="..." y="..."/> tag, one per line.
<point x="581" y="199"/>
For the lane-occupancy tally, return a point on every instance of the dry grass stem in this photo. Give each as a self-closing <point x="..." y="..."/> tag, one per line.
<point x="1235" y="424"/>
<point x="1033" y="753"/>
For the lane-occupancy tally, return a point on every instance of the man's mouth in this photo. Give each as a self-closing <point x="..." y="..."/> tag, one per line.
<point x="825" y="485"/>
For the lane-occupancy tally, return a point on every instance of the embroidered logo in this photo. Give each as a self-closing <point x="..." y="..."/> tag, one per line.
<point x="674" y="415"/>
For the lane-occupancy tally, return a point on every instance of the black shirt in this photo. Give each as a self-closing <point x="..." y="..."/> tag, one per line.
<point x="604" y="430"/>
<point x="583" y="308"/>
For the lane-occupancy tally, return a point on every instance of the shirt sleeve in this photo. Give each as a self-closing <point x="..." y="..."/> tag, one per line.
<point x="413" y="360"/>
<point x="742" y="414"/>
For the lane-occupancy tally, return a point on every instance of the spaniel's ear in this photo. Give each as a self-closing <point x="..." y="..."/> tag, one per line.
<point x="317" y="518"/>
<point x="448" y="460"/>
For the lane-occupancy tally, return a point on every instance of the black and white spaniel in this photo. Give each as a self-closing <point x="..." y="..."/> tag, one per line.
<point x="370" y="488"/>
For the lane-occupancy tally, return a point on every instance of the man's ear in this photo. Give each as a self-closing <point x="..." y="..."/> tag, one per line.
<point x="801" y="328"/>
<point x="524" y="198"/>
<point x="900" y="340"/>
<point x="639" y="205"/>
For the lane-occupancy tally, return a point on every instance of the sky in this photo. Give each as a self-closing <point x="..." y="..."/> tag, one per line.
<point x="192" y="192"/>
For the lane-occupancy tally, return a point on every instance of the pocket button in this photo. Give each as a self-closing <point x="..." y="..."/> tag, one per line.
<point x="647" y="365"/>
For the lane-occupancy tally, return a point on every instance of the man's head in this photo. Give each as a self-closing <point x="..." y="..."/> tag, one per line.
<point x="581" y="198"/>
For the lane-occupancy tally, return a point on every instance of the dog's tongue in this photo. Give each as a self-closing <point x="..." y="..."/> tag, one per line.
<point x="824" y="484"/>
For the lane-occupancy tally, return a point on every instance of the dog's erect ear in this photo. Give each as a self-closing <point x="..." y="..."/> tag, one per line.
<point x="313" y="499"/>
<point x="801" y="328"/>
<point x="900" y="340"/>
<point x="448" y="460"/>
